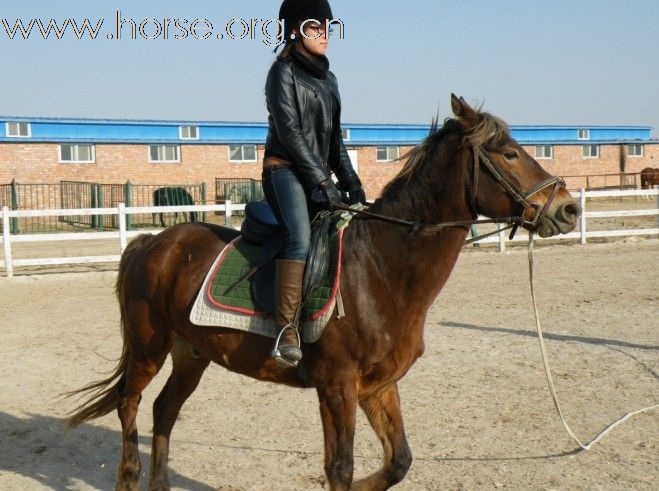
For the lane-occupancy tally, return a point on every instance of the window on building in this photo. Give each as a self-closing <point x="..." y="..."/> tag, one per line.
<point x="635" y="150"/>
<point x="345" y="134"/>
<point x="543" y="152"/>
<point x="164" y="153"/>
<point x="189" y="132"/>
<point x="82" y="153"/>
<point x="18" y="129"/>
<point x="590" y="151"/>
<point x="385" y="154"/>
<point x="583" y="134"/>
<point x="242" y="153"/>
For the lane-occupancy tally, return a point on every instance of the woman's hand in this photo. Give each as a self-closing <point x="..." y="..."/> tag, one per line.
<point x="356" y="194"/>
<point x="353" y="186"/>
<point x="326" y="194"/>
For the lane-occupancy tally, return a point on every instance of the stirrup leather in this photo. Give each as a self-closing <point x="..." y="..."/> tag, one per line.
<point x="276" y="354"/>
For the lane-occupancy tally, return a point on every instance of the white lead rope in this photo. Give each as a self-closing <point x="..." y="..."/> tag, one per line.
<point x="550" y="381"/>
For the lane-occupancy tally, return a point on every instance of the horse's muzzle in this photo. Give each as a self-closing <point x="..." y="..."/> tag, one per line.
<point x="561" y="218"/>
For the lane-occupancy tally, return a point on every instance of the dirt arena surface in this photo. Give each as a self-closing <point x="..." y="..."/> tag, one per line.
<point x="477" y="410"/>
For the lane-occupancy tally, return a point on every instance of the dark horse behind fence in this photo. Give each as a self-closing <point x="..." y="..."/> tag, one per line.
<point x="173" y="196"/>
<point x="391" y="275"/>
<point x="649" y="178"/>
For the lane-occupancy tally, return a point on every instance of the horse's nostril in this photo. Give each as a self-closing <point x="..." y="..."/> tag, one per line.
<point x="572" y="208"/>
<point x="569" y="212"/>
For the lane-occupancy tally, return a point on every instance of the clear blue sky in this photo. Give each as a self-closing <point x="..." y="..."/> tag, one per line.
<point x="530" y="62"/>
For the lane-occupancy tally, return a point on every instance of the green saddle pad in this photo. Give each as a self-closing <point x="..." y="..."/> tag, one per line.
<point x="237" y="258"/>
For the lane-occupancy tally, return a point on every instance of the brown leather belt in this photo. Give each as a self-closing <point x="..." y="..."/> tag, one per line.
<point x="272" y="160"/>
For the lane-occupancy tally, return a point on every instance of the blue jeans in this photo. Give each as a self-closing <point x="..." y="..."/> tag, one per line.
<point x="282" y="186"/>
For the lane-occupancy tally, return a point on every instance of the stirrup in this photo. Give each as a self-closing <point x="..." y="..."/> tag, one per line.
<point x="277" y="355"/>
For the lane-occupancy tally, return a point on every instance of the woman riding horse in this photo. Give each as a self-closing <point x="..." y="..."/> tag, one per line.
<point x="303" y="146"/>
<point x="390" y="276"/>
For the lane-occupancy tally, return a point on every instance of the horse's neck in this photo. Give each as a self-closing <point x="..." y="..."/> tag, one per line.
<point x="418" y="265"/>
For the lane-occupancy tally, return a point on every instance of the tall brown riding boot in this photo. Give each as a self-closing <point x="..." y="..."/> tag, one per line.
<point x="289" y="274"/>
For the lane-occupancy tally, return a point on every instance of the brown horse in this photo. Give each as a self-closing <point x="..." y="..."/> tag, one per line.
<point x="391" y="277"/>
<point x="649" y="178"/>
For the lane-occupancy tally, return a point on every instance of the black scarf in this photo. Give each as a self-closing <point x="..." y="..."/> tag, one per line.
<point x="317" y="65"/>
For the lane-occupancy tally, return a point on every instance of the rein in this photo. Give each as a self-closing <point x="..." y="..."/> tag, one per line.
<point x="430" y="228"/>
<point x="550" y="381"/>
<point x="502" y="178"/>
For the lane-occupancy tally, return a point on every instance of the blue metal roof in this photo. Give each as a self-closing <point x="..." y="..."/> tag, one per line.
<point x="86" y="130"/>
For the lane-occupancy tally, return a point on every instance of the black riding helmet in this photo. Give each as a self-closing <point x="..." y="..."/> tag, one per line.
<point x="292" y="12"/>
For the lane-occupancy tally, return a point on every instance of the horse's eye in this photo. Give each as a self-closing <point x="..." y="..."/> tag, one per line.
<point x="511" y="155"/>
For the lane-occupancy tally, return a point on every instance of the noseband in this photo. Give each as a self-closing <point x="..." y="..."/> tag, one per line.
<point x="521" y="197"/>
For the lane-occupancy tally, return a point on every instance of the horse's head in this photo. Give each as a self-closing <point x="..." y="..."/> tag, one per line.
<point x="507" y="181"/>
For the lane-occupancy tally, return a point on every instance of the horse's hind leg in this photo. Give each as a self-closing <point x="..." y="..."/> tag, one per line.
<point x="383" y="411"/>
<point x="186" y="374"/>
<point x="144" y="363"/>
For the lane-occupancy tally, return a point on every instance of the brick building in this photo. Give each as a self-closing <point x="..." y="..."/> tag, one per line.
<point x="47" y="150"/>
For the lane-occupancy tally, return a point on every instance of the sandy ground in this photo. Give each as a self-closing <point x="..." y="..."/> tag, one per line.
<point x="477" y="410"/>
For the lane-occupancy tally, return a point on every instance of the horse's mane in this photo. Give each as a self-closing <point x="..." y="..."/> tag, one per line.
<point x="488" y="130"/>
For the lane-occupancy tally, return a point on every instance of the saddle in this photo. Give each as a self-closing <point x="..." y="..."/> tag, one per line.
<point x="261" y="228"/>
<point x="239" y="289"/>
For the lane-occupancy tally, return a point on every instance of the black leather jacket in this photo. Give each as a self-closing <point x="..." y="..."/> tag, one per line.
<point x="300" y="125"/>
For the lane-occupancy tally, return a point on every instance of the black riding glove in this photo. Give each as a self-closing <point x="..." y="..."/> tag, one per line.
<point x="355" y="190"/>
<point x="356" y="194"/>
<point x="326" y="194"/>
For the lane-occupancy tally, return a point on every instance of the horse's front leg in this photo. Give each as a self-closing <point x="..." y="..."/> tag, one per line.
<point x="383" y="411"/>
<point x="338" y="408"/>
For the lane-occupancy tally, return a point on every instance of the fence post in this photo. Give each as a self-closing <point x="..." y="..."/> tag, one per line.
<point x="657" y="205"/>
<point x="93" y="201"/>
<point x="14" y="206"/>
<point x="473" y="232"/>
<point x="99" y="204"/>
<point x="502" y="238"/>
<point x="227" y="213"/>
<point x="122" y="227"/>
<point x="128" y="199"/>
<point x="6" y="241"/>
<point x="203" y="200"/>
<point x="582" y="219"/>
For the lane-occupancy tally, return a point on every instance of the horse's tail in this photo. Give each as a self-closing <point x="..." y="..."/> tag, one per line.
<point x="105" y="392"/>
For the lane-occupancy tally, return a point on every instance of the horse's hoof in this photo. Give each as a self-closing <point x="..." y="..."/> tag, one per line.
<point x="127" y="486"/>
<point x="161" y="485"/>
<point x="128" y="479"/>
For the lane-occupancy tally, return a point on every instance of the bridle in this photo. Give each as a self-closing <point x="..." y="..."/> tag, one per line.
<point x="513" y="222"/>
<point x="521" y="197"/>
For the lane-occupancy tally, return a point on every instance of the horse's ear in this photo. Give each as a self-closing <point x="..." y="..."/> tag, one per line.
<point x="465" y="114"/>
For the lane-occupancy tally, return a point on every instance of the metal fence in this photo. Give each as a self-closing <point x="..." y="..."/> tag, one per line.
<point x="34" y="196"/>
<point x="162" y="195"/>
<point x="82" y="194"/>
<point x="620" y="180"/>
<point x="237" y="190"/>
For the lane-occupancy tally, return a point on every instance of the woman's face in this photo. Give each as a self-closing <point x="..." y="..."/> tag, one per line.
<point x="316" y="40"/>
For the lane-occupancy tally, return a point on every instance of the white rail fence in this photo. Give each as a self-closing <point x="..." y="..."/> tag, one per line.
<point x="583" y="234"/>
<point x="122" y="234"/>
